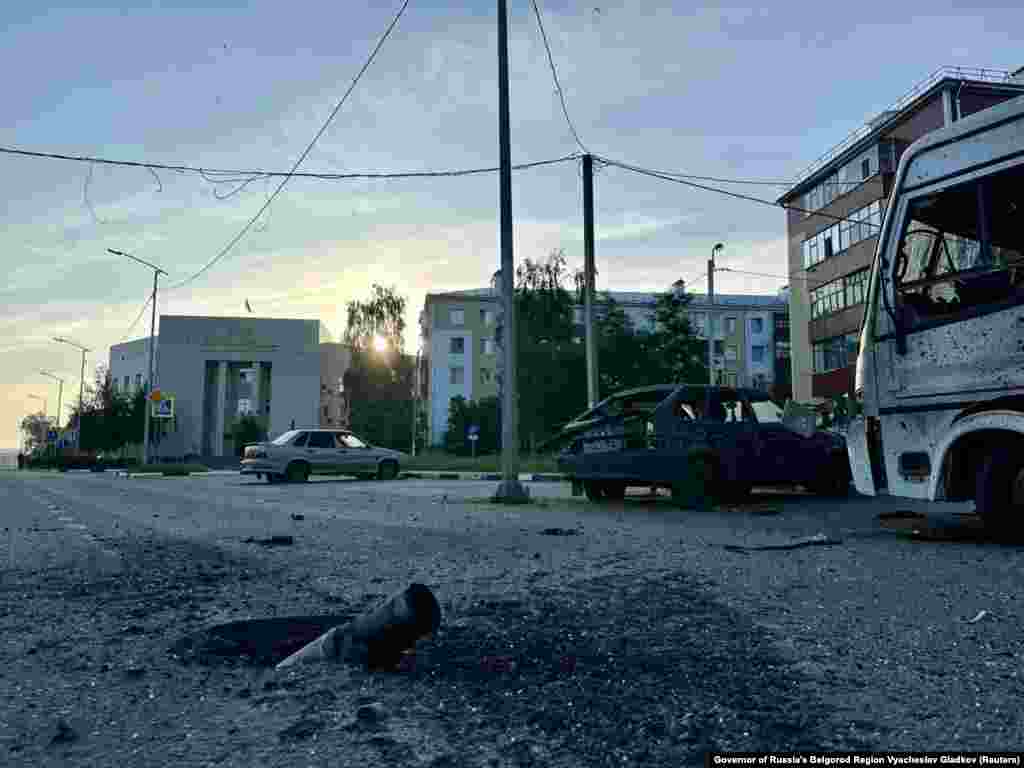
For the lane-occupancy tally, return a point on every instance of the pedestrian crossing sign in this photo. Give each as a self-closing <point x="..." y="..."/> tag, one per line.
<point x="164" y="408"/>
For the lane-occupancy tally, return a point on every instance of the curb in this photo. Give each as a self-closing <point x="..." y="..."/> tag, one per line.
<point x="494" y="476"/>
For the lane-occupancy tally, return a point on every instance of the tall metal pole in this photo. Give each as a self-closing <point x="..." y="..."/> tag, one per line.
<point x="81" y="397"/>
<point x="415" y="400"/>
<point x="588" y="278"/>
<point x="60" y="392"/>
<point x="510" y="490"/>
<point x="152" y="349"/>
<point x="711" y="316"/>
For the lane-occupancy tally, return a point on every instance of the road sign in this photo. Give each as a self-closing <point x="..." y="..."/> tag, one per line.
<point x="51" y="435"/>
<point x="164" y="408"/>
<point x="474" y="429"/>
<point x="474" y="437"/>
<point x="156" y="396"/>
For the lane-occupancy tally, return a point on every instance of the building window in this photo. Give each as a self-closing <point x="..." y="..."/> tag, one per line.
<point x="455" y="374"/>
<point x="756" y="326"/>
<point x="827" y="299"/>
<point x="138" y="381"/>
<point x="731" y="352"/>
<point x="699" y="321"/>
<point x="865" y="168"/>
<point x="760" y="382"/>
<point x="457" y="345"/>
<point x="486" y="375"/>
<point x="127" y="383"/>
<point x="730" y="326"/>
<point x="719" y="347"/>
<point x="856" y="287"/>
<point x="325" y="411"/>
<point x="837" y="352"/>
<point x="858" y="225"/>
<point x="487" y="316"/>
<point x="487" y="346"/>
<point x="757" y="353"/>
<point x="577" y="315"/>
<point x="457" y="316"/>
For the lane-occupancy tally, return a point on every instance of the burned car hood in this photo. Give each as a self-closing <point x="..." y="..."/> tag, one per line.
<point x="576" y="428"/>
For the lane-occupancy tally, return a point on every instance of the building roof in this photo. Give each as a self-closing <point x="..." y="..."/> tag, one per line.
<point x="857" y="140"/>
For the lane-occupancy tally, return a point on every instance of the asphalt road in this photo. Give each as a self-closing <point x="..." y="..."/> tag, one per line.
<point x="644" y="615"/>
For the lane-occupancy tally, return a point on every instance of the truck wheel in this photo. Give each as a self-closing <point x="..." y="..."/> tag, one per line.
<point x="999" y="489"/>
<point x="593" y="490"/>
<point x="835" y="479"/>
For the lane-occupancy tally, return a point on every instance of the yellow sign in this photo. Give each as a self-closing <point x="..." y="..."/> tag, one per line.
<point x="155" y="397"/>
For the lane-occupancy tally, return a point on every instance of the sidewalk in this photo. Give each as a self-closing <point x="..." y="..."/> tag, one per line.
<point x="524" y="477"/>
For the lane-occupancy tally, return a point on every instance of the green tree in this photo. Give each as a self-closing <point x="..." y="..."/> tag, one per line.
<point x="379" y="380"/>
<point x="673" y="349"/>
<point x="461" y="415"/>
<point x="246" y="430"/>
<point x="551" y="378"/>
<point x="34" y="427"/>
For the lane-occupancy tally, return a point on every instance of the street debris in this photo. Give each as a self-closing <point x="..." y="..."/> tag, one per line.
<point x="373" y="712"/>
<point x="819" y="539"/>
<point x="981" y="615"/>
<point x="377" y="638"/>
<point x="561" y="532"/>
<point x="273" y="541"/>
<point x="301" y="729"/>
<point x="298" y="516"/>
<point x="902" y="514"/>
<point x="63" y="733"/>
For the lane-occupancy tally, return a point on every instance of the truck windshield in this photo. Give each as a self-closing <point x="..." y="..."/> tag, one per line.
<point x="961" y="249"/>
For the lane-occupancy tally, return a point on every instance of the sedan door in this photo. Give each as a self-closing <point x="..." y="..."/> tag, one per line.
<point x="361" y="457"/>
<point x="781" y="452"/>
<point x="322" y="453"/>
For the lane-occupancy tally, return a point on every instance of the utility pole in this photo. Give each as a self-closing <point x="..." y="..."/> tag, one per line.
<point x="588" y="278"/>
<point x="711" y="316"/>
<point x="415" y="400"/>
<point x="81" y="386"/>
<point x="510" y="490"/>
<point x="60" y="393"/>
<point x="152" y="348"/>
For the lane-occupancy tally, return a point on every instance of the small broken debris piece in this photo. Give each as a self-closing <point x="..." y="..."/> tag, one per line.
<point x="298" y="516"/>
<point x="273" y="541"/>
<point x="818" y="539"/>
<point x="560" y="532"/>
<point x="980" y="615"/>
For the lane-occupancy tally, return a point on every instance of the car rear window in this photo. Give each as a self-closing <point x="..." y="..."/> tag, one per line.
<point x="321" y="440"/>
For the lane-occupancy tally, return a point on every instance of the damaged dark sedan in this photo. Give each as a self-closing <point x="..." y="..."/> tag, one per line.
<point x="704" y="443"/>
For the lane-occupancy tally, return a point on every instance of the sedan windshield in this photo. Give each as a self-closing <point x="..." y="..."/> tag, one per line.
<point x="286" y="438"/>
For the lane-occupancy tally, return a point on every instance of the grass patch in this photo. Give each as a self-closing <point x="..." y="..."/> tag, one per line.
<point x="439" y="461"/>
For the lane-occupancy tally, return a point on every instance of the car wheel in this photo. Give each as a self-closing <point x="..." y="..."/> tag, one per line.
<point x="999" y="490"/>
<point x="272" y="478"/>
<point x="735" y="492"/>
<point x="297" y="472"/>
<point x="388" y="470"/>
<point x="593" y="490"/>
<point x="259" y="475"/>
<point x="835" y="479"/>
<point x="615" y="491"/>
<point x="696" y="490"/>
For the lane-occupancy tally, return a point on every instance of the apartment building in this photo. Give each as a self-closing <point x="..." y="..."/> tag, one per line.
<point x="460" y="356"/>
<point x="838" y="205"/>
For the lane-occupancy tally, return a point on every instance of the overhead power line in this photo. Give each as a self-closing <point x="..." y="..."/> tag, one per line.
<point x="718" y="190"/>
<point x="554" y="76"/>
<point x="136" y="320"/>
<point x="231" y="244"/>
<point x="243" y="176"/>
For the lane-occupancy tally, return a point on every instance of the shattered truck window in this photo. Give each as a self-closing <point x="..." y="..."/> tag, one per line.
<point x="962" y="249"/>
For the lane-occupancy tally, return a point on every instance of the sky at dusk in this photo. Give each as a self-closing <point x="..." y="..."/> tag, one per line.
<point x="727" y="91"/>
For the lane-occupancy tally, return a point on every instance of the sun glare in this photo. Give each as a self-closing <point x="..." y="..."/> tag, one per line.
<point x="380" y="343"/>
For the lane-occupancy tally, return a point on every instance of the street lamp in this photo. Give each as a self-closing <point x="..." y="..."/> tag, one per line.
<point x="81" y="386"/>
<point x="711" y="318"/>
<point x="60" y="393"/>
<point x="152" y="334"/>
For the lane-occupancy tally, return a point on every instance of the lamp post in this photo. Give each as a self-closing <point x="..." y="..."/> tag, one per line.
<point x="152" y="342"/>
<point x="60" y="392"/>
<point x="81" y="386"/>
<point x="711" y="317"/>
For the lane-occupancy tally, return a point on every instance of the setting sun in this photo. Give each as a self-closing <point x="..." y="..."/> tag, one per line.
<point x="380" y="343"/>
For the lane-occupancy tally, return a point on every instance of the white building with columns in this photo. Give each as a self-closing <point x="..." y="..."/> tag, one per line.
<point x="220" y="368"/>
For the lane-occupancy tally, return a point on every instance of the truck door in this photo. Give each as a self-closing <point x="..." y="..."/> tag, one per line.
<point x="958" y="279"/>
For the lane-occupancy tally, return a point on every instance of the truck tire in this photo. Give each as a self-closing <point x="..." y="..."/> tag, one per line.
<point x="834" y="480"/>
<point x="999" y="490"/>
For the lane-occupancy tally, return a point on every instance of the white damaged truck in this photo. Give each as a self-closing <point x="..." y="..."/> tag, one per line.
<point x="940" y="369"/>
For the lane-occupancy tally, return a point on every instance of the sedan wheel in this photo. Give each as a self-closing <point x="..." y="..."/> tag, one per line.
<point x="388" y="470"/>
<point x="297" y="473"/>
<point x="614" y="490"/>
